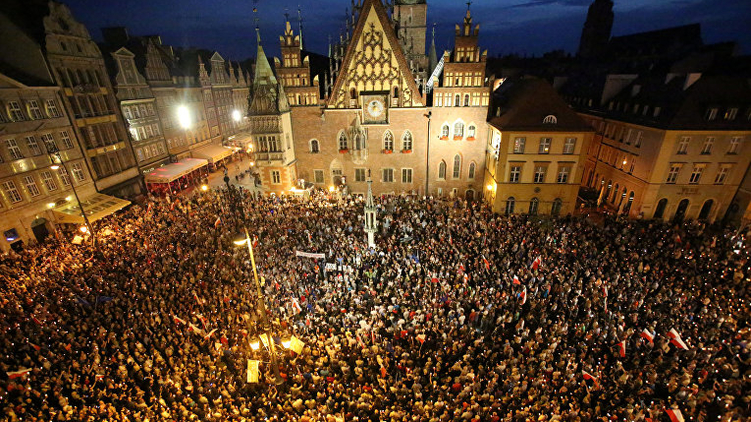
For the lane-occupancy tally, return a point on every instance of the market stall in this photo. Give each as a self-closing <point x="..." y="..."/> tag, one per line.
<point x="177" y="176"/>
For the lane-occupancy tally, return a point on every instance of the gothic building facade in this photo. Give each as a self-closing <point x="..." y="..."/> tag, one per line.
<point x="374" y="114"/>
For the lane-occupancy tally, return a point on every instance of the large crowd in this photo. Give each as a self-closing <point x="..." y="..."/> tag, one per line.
<point x="457" y="314"/>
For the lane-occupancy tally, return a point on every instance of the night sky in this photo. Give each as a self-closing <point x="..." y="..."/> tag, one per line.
<point x="506" y="26"/>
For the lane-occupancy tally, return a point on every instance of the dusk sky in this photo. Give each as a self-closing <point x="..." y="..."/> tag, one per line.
<point x="506" y="26"/>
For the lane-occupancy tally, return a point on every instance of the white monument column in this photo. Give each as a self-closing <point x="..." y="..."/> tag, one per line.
<point x="370" y="214"/>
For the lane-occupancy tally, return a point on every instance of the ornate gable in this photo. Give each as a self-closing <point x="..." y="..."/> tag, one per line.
<point x="374" y="62"/>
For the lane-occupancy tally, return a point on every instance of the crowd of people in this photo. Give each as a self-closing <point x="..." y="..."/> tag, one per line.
<point x="457" y="314"/>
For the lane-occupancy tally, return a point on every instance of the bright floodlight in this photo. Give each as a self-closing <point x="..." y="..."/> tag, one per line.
<point x="255" y="345"/>
<point x="236" y="116"/>
<point x="204" y="188"/>
<point x="240" y="240"/>
<point x="490" y="187"/>
<point x="183" y="117"/>
<point x="54" y="167"/>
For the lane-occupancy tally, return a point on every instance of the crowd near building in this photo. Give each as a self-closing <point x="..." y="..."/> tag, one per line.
<point x="652" y="125"/>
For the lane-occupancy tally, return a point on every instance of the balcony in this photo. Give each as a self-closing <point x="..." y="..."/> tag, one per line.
<point x="270" y="156"/>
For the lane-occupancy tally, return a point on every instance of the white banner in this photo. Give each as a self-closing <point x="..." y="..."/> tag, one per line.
<point x="310" y="255"/>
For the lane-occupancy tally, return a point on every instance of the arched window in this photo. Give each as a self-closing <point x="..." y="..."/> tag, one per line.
<point x="557" y="205"/>
<point x="466" y="100"/>
<point x="534" y="204"/>
<point x="342" y="140"/>
<point x="457" y="100"/>
<point x="510" y="204"/>
<point x="442" y="170"/>
<point x="457" y="167"/>
<point x="388" y="141"/>
<point x="615" y="194"/>
<point x="407" y="141"/>
<point x="458" y="130"/>
<point x="660" y="210"/>
<point x="627" y="207"/>
<point x="469" y="195"/>
<point x="471" y="131"/>
<point x="550" y="120"/>
<point x="352" y="94"/>
<point x="471" y="173"/>
<point x="314" y="147"/>
<point x="359" y="144"/>
<point x="706" y="209"/>
<point x="445" y="132"/>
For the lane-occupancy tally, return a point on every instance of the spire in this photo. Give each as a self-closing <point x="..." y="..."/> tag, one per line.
<point x="432" y="56"/>
<point x="371" y="223"/>
<point x="299" y="23"/>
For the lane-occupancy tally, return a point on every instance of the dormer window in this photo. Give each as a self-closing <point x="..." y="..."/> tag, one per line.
<point x="550" y="120"/>
<point x="711" y="113"/>
<point x="731" y="113"/>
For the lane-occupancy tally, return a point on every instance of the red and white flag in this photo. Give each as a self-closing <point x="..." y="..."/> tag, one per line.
<point x="589" y="377"/>
<point x="37" y="348"/>
<point x="217" y="222"/>
<point x="536" y="263"/>
<point x="647" y="335"/>
<point x="203" y="321"/>
<point x="516" y="280"/>
<point x="523" y="295"/>
<point x="622" y="348"/>
<point x="487" y="264"/>
<point x="675" y="339"/>
<point x="18" y="374"/>
<point x="675" y="415"/>
<point x="178" y="320"/>
<point x="421" y="338"/>
<point x="99" y="377"/>
<point x="194" y="328"/>
<point x="679" y="343"/>
<point x="208" y="336"/>
<point x="295" y="305"/>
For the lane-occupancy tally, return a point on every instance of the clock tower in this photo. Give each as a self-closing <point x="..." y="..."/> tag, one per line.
<point x="410" y="23"/>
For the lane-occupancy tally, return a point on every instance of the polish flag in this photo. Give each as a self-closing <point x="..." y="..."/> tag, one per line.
<point x="203" y="320"/>
<point x="435" y="280"/>
<point x="516" y="280"/>
<point x="675" y="415"/>
<point x="589" y="377"/>
<point x="208" y="336"/>
<point x="99" y="377"/>
<point x="675" y="339"/>
<point x="194" y="328"/>
<point x="421" y="338"/>
<point x="37" y="348"/>
<point x="523" y="295"/>
<point x="622" y="348"/>
<point x="217" y="222"/>
<point x="224" y="341"/>
<point x="18" y="374"/>
<point x="487" y="264"/>
<point x="536" y="263"/>
<point x="647" y="335"/>
<point x="605" y="291"/>
<point x="178" y="320"/>
<point x="677" y="342"/>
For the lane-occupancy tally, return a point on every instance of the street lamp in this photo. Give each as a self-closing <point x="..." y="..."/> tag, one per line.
<point x="54" y="151"/>
<point x="236" y="115"/>
<point x="239" y="241"/>
<point x="183" y="117"/>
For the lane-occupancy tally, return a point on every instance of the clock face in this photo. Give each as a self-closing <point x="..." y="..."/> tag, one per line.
<point x="375" y="108"/>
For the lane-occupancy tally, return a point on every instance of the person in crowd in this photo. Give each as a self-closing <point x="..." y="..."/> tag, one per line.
<point x="457" y="314"/>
